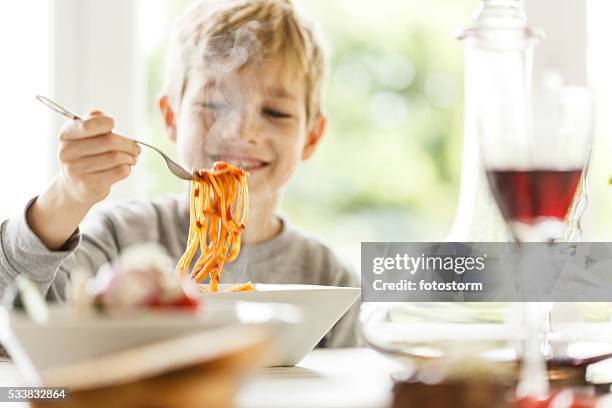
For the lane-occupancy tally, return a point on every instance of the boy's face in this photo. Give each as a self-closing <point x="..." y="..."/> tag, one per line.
<point x="253" y="117"/>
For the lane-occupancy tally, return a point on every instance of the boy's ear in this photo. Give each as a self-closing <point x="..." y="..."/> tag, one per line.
<point x="314" y="136"/>
<point x="168" y="117"/>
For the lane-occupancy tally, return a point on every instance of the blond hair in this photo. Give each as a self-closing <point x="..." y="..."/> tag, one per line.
<point x="227" y="34"/>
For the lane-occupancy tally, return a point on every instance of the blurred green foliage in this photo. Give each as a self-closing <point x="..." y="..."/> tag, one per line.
<point x="388" y="168"/>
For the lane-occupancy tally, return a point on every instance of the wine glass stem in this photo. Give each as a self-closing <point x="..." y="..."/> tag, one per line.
<point x="533" y="380"/>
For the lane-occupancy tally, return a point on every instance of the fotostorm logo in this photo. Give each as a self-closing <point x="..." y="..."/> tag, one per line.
<point x="414" y="264"/>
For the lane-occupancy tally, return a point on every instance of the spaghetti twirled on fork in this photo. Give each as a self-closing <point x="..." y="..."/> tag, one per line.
<point x="219" y="207"/>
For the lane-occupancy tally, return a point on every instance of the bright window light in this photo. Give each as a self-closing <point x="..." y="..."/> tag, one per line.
<point x="25" y="143"/>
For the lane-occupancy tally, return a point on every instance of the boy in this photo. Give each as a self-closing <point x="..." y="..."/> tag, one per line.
<point x="244" y="85"/>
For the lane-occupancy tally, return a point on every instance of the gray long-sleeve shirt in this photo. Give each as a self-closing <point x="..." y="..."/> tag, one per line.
<point x="292" y="256"/>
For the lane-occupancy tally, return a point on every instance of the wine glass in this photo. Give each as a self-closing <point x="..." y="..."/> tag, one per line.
<point x="574" y="231"/>
<point x="534" y="160"/>
<point x="533" y="154"/>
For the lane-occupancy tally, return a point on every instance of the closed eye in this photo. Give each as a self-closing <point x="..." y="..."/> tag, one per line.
<point x="213" y="105"/>
<point x="275" y="114"/>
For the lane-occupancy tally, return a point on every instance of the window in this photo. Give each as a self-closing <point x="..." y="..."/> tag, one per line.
<point x="599" y="63"/>
<point x="25" y="167"/>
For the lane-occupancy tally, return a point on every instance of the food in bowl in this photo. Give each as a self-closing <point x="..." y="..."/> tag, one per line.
<point x="140" y="278"/>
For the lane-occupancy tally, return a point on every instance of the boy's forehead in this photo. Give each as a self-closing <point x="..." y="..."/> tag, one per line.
<point x="271" y="79"/>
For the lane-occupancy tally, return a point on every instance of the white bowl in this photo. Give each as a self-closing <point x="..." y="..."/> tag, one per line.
<point x="321" y="307"/>
<point x="73" y="336"/>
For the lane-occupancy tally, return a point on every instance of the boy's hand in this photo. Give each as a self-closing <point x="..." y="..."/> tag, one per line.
<point x="92" y="158"/>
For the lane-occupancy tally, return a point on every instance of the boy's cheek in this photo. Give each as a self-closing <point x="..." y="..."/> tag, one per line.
<point x="191" y="150"/>
<point x="287" y="165"/>
<point x="226" y="126"/>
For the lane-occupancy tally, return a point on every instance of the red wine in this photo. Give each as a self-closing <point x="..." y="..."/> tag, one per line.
<point x="527" y="195"/>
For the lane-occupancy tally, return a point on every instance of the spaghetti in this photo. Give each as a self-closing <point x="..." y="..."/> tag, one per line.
<point x="218" y="211"/>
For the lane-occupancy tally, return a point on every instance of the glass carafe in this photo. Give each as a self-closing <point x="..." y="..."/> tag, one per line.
<point x="498" y="59"/>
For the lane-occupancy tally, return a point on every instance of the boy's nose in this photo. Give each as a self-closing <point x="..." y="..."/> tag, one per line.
<point x="248" y="128"/>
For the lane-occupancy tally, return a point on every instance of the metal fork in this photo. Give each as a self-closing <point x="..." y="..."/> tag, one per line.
<point x="173" y="166"/>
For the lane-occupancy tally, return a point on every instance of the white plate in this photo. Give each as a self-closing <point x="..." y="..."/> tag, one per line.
<point x="494" y="341"/>
<point x="154" y="359"/>
<point x="72" y="336"/>
<point x="321" y="307"/>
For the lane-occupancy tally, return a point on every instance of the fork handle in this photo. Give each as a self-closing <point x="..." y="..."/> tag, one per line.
<point x="57" y="107"/>
<point x="174" y="167"/>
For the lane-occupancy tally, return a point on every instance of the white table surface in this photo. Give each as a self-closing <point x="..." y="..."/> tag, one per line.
<point x="330" y="378"/>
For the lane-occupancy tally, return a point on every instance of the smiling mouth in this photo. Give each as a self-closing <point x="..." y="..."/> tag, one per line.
<point x="247" y="163"/>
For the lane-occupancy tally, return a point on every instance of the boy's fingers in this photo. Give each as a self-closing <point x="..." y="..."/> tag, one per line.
<point x="110" y="176"/>
<point x="101" y="162"/>
<point x="98" y="124"/>
<point x="93" y="125"/>
<point x="72" y="150"/>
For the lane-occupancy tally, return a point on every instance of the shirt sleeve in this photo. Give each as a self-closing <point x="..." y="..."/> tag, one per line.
<point x="23" y="253"/>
